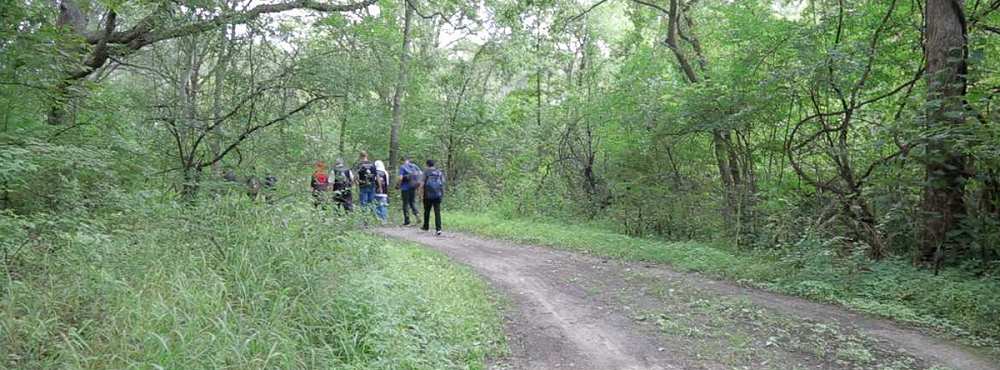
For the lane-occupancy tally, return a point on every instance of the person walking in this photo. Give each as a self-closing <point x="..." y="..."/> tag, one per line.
<point x="381" y="192"/>
<point x="433" y="185"/>
<point x="270" y="188"/>
<point x="320" y="184"/>
<point x="366" y="179"/>
<point x="408" y="183"/>
<point x="342" y="179"/>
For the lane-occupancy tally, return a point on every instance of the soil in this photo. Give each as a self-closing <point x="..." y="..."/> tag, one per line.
<point x="573" y="311"/>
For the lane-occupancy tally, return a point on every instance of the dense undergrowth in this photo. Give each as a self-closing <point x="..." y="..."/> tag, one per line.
<point x="232" y="284"/>
<point x="953" y="302"/>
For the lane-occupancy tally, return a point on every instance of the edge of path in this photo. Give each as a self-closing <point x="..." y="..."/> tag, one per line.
<point x="916" y="342"/>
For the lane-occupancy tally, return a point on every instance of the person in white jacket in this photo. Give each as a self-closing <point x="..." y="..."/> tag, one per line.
<point x="381" y="192"/>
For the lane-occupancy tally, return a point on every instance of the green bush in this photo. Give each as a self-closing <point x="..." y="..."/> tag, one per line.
<point x="234" y="284"/>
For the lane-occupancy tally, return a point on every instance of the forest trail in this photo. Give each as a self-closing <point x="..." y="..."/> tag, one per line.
<point x="573" y="311"/>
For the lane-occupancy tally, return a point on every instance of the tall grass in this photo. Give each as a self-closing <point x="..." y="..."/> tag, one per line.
<point x="953" y="301"/>
<point x="234" y="284"/>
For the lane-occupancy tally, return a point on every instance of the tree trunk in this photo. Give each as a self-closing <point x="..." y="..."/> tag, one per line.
<point x="943" y="202"/>
<point x="735" y="193"/>
<point x="341" y="149"/>
<point x="222" y="66"/>
<point x="397" y="96"/>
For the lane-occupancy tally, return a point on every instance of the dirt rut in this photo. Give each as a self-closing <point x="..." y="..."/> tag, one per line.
<point x="573" y="311"/>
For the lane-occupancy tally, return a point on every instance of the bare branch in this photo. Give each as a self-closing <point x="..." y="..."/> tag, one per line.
<point x="247" y="133"/>
<point x="654" y="6"/>
<point x="584" y="13"/>
<point x="145" y="33"/>
<point x="436" y="14"/>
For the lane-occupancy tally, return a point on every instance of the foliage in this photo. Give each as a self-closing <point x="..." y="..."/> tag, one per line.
<point x="235" y="284"/>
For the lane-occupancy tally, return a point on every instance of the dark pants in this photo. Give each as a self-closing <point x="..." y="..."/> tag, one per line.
<point x="344" y="199"/>
<point x="436" y="204"/>
<point x="410" y="204"/>
<point x="320" y="198"/>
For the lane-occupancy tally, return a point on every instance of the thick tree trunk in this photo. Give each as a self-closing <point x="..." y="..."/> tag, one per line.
<point x="397" y="96"/>
<point x="725" y="174"/>
<point x="943" y="202"/>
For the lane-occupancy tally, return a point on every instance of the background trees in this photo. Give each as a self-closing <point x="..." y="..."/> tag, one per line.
<point x="869" y="126"/>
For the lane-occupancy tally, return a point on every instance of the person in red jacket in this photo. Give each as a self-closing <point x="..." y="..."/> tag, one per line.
<point x="320" y="183"/>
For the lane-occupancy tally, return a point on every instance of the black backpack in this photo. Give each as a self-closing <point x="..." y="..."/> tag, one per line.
<point x="366" y="174"/>
<point x="434" y="185"/>
<point x="341" y="178"/>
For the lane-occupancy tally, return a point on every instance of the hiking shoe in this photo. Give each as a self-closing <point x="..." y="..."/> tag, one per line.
<point x="423" y="228"/>
<point x="438" y="233"/>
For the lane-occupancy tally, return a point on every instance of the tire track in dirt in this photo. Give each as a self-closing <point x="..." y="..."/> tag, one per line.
<point x="563" y="315"/>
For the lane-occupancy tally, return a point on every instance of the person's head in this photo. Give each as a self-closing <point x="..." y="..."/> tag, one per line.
<point x="379" y="166"/>
<point x="430" y="163"/>
<point x="339" y="162"/>
<point x="406" y="159"/>
<point x="363" y="156"/>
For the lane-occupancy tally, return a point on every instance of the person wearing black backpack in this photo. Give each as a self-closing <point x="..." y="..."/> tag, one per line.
<point x="342" y="180"/>
<point x="366" y="179"/>
<point x="433" y="193"/>
<point x="408" y="183"/>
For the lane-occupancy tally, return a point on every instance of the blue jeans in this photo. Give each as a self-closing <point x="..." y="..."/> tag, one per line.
<point x="367" y="194"/>
<point x="382" y="207"/>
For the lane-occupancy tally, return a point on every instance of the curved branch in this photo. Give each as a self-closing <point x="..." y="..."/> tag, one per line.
<point x="435" y="15"/>
<point x="145" y="33"/>
<point x="247" y="133"/>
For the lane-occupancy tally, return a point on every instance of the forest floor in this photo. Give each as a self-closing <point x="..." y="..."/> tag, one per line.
<point x="567" y="310"/>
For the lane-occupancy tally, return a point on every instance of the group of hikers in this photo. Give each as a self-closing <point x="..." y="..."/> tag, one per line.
<point x="255" y="188"/>
<point x="335" y="186"/>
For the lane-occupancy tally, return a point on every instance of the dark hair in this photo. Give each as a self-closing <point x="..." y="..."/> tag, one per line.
<point x="430" y="163"/>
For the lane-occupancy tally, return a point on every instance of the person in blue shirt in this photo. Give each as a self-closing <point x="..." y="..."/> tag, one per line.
<point x="410" y="178"/>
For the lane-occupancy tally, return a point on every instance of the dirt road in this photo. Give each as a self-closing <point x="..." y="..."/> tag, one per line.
<point x="573" y="311"/>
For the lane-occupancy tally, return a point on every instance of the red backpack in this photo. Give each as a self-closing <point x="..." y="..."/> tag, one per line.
<point x="320" y="181"/>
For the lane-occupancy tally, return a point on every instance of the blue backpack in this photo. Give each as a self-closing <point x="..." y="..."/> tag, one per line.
<point x="434" y="185"/>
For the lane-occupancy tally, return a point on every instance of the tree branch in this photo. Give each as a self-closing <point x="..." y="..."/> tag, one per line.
<point x="145" y="33"/>
<point x="246" y="134"/>
<point x="584" y="13"/>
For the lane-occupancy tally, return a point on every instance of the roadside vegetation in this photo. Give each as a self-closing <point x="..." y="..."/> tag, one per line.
<point x="234" y="284"/>
<point x="953" y="302"/>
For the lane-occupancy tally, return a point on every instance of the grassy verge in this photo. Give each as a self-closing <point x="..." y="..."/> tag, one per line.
<point x="238" y="285"/>
<point x="952" y="302"/>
